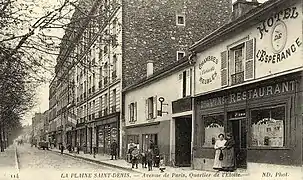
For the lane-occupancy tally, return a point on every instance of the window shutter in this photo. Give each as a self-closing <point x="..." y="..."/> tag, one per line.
<point x="155" y="113"/>
<point x="224" y="69"/>
<point x="135" y="111"/>
<point x="180" y="78"/>
<point x="146" y="108"/>
<point x="188" y="82"/>
<point x="249" y="71"/>
<point x="129" y="113"/>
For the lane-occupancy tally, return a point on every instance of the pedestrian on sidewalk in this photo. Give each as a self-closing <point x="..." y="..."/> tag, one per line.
<point x="113" y="148"/>
<point x="61" y="147"/>
<point x="162" y="164"/>
<point x="228" y="163"/>
<point x="219" y="152"/>
<point x="156" y="157"/>
<point x="135" y="157"/>
<point x="143" y="159"/>
<point x="149" y="159"/>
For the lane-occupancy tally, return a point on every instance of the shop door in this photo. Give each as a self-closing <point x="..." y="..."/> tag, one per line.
<point x="183" y="142"/>
<point x="239" y="134"/>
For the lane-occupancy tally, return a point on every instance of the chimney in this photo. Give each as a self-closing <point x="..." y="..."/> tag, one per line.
<point x="150" y="68"/>
<point x="241" y="7"/>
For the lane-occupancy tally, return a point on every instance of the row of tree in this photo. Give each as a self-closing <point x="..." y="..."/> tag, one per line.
<point x="31" y="38"/>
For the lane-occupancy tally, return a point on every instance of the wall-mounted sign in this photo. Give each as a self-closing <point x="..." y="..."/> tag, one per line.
<point x="208" y="70"/>
<point x="288" y="13"/>
<point x="255" y="93"/>
<point x="278" y="35"/>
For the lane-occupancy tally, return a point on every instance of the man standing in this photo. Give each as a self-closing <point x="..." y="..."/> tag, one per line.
<point x="113" y="148"/>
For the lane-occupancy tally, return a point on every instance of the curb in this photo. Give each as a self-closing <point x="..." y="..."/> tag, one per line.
<point x="98" y="162"/>
<point x="16" y="159"/>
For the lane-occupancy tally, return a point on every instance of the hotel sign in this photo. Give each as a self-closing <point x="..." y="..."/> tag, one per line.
<point x="277" y="29"/>
<point x="250" y="94"/>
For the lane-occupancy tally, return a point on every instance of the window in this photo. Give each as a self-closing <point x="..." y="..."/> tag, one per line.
<point x="150" y="109"/>
<point x="105" y="100"/>
<point x="180" y="20"/>
<point x="114" y="97"/>
<point x="238" y="53"/>
<point x="114" y="73"/>
<point x="132" y="112"/>
<point x="213" y="126"/>
<point x="268" y="127"/>
<point x="132" y="138"/>
<point x="180" y="54"/>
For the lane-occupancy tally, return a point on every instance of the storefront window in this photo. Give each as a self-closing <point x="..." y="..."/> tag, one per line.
<point x="134" y="139"/>
<point x="268" y="127"/>
<point x="147" y="139"/>
<point x="213" y="126"/>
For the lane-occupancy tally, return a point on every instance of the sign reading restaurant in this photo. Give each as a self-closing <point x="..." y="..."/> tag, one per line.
<point x="249" y="94"/>
<point x="277" y="29"/>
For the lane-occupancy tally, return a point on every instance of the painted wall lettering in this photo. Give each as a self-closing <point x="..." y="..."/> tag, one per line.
<point x="266" y="57"/>
<point x="249" y="94"/>
<point x="208" y="71"/>
<point x="288" y="13"/>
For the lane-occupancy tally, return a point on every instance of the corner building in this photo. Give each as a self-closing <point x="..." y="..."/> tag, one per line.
<point x="248" y="81"/>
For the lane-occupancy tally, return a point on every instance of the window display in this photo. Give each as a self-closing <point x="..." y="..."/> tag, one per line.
<point x="268" y="126"/>
<point x="213" y="126"/>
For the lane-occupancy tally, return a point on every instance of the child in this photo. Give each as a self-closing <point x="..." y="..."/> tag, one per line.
<point x="143" y="159"/>
<point x="161" y="164"/>
<point x="149" y="159"/>
<point x="135" y="157"/>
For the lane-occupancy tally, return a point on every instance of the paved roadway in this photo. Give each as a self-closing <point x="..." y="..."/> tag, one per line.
<point x="47" y="165"/>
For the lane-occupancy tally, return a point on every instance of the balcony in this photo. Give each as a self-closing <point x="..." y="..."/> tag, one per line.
<point x="237" y="78"/>
<point x="113" y="109"/>
<point x="114" y="75"/>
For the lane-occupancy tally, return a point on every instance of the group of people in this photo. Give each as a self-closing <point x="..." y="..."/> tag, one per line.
<point x="149" y="159"/>
<point x="224" y="153"/>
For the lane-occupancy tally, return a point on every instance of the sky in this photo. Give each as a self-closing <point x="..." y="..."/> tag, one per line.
<point x="42" y="93"/>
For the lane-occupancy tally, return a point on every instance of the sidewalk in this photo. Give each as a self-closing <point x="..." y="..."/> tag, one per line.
<point x="8" y="163"/>
<point x="123" y="165"/>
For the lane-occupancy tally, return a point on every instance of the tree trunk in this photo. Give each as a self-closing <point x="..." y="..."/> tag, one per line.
<point x="1" y="137"/>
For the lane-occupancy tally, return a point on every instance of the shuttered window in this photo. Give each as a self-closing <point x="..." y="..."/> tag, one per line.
<point x="224" y="69"/>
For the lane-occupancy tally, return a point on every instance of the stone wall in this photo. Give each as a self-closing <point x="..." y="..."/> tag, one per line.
<point x="150" y="31"/>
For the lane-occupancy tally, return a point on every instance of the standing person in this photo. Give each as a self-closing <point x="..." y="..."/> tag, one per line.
<point x="61" y="147"/>
<point x="218" y="150"/>
<point x="156" y="157"/>
<point x="143" y="159"/>
<point x="113" y="149"/>
<point x="135" y="157"/>
<point x="131" y="146"/>
<point x="149" y="159"/>
<point x="152" y="145"/>
<point x="228" y="163"/>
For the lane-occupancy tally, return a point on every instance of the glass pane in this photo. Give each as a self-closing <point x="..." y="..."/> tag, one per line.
<point x="213" y="126"/>
<point x="268" y="127"/>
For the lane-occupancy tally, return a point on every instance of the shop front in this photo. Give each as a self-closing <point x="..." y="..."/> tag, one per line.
<point x="264" y="119"/>
<point x="106" y="131"/>
<point x="150" y="135"/>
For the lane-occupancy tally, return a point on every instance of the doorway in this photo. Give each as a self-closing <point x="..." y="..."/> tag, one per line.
<point x="183" y="132"/>
<point x="237" y="125"/>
